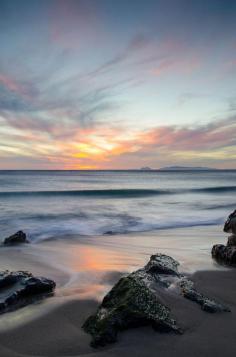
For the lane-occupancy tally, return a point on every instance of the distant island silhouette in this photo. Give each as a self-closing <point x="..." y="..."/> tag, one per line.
<point x="183" y="168"/>
<point x="146" y="168"/>
<point x="179" y="168"/>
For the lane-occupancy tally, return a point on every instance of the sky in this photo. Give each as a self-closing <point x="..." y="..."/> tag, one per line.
<point x="106" y="84"/>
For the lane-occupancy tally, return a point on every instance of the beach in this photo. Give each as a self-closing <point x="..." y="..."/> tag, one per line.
<point x="59" y="332"/>
<point x="86" y="230"/>
<point x="84" y="272"/>
<point x="117" y="178"/>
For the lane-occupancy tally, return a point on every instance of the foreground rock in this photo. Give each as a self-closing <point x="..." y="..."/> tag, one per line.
<point x="135" y="301"/>
<point x="20" y="288"/>
<point x="226" y="254"/>
<point x="17" y="238"/>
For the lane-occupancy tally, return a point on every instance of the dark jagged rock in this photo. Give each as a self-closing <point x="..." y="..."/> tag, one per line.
<point x="135" y="301"/>
<point x="109" y="233"/>
<point x="230" y="224"/>
<point x="231" y="240"/>
<point x="162" y="264"/>
<point x="226" y="254"/>
<point x="207" y="304"/>
<point x="18" y="289"/>
<point x="129" y="304"/>
<point x="17" y="238"/>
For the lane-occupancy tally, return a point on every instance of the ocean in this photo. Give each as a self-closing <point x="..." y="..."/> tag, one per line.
<point x="56" y="204"/>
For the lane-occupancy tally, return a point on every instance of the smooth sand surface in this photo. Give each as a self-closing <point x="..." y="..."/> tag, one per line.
<point x="59" y="332"/>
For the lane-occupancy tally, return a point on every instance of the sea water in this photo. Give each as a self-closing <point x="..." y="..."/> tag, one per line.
<point x="56" y="204"/>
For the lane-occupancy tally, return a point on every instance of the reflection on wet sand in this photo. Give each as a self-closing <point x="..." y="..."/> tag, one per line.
<point x="81" y="265"/>
<point x="88" y="257"/>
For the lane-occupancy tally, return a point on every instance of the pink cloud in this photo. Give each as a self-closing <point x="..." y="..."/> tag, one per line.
<point x="181" y="65"/>
<point x="101" y="146"/>
<point x="205" y="137"/>
<point x="11" y="84"/>
<point x="24" y="89"/>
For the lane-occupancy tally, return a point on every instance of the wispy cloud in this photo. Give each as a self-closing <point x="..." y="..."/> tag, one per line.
<point x="99" y="147"/>
<point x="181" y="65"/>
<point x="136" y="44"/>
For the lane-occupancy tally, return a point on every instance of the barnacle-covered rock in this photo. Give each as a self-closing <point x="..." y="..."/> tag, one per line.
<point x="135" y="301"/>
<point x="130" y="303"/>
<point x="162" y="264"/>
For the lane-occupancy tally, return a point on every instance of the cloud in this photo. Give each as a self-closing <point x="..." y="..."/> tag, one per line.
<point x="220" y="133"/>
<point x="135" y="45"/>
<point x="15" y="94"/>
<point x="66" y="105"/>
<point x="11" y="84"/>
<point x="76" y="75"/>
<point x="120" y="147"/>
<point x="183" y="65"/>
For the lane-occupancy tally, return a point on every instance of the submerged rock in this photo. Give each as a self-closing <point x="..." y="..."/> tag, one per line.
<point x="17" y="238"/>
<point x="20" y="288"/>
<point x="135" y="301"/>
<point x="226" y="254"/>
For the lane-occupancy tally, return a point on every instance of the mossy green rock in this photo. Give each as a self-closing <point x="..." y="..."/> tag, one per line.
<point x="134" y="301"/>
<point x="130" y="303"/>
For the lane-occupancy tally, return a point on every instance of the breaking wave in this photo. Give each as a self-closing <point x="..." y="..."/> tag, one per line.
<point x="118" y="193"/>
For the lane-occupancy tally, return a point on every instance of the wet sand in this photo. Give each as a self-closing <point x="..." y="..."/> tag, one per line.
<point x="86" y="268"/>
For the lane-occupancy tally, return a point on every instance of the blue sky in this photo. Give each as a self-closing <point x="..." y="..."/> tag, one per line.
<point x="117" y="84"/>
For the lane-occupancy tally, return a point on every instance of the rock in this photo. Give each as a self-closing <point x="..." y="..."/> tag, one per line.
<point x="17" y="238"/>
<point x="129" y="304"/>
<point x="224" y="254"/>
<point x="227" y="254"/>
<point x="231" y="240"/>
<point x="230" y="224"/>
<point x="162" y="264"/>
<point x="207" y="304"/>
<point x="20" y="288"/>
<point x="135" y="301"/>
